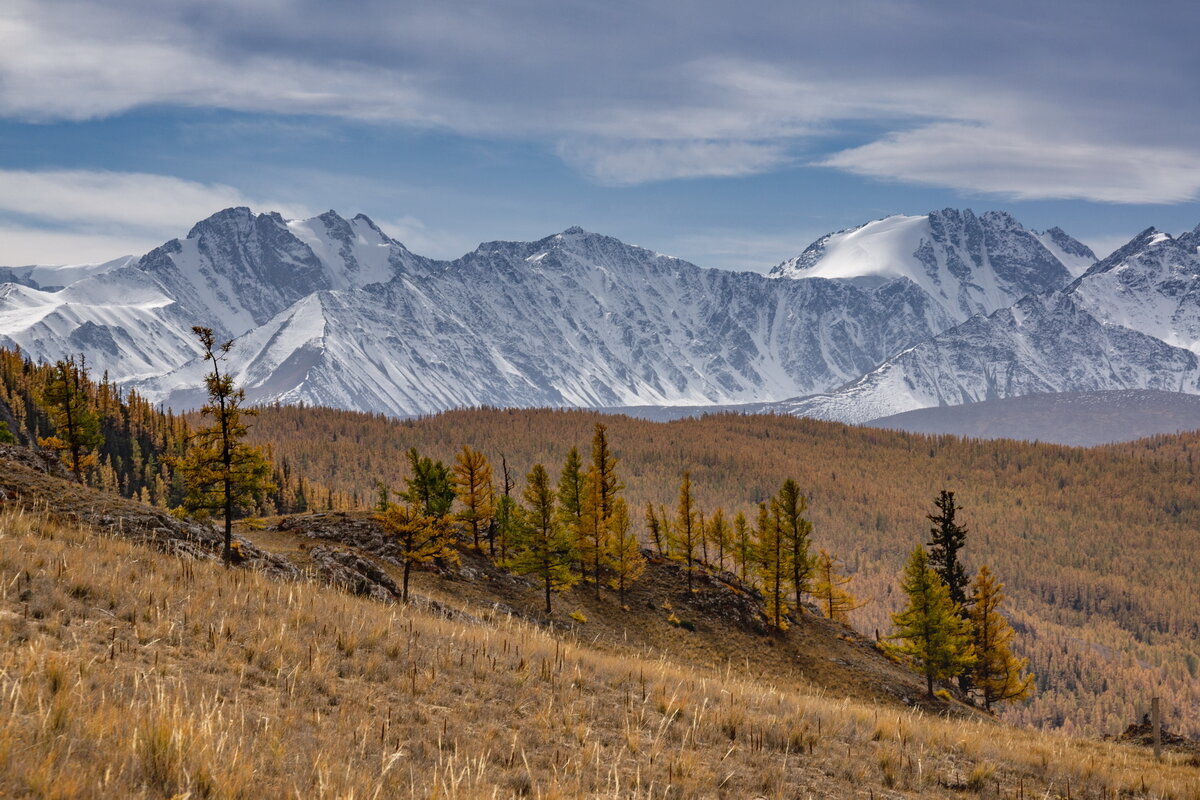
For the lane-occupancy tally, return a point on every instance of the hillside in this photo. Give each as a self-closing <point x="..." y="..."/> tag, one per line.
<point x="1101" y="622"/>
<point x="140" y="674"/>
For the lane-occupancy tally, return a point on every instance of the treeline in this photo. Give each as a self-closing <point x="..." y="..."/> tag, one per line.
<point x="118" y="441"/>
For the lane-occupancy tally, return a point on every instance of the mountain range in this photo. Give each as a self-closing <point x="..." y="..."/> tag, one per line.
<point x="898" y="314"/>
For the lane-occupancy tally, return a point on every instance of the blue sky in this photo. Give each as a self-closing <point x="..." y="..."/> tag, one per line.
<point x="728" y="134"/>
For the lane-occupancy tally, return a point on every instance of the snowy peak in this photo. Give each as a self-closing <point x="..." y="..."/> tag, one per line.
<point x="1074" y="254"/>
<point x="968" y="264"/>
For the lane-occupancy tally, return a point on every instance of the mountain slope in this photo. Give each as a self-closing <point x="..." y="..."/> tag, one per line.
<point x="1130" y="322"/>
<point x="968" y="264"/>
<point x="573" y="319"/>
<point x="1082" y="419"/>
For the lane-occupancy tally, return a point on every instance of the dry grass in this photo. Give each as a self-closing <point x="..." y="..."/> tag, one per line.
<point x="126" y="673"/>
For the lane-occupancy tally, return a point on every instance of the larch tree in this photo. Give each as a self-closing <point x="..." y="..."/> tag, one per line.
<point x="572" y="483"/>
<point x="601" y="489"/>
<point x="505" y="518"/>
<point x="931" y="631"/>
<point x="541" y="544"/>
<point x="686" y="538"/>
<point x="797" y="534"/>
<point x="76" y="424"/>
<point x="997" y="675"/>
<point x="419" y="537"/>
<point x="624" y="557"/>
<point x="654" y="528"/>
<point x="946" y="538"/>
<point x="829" y="589"/>
<point x="721" y="536"/>
<point x="476" y="493"/>
<point x="743" y="547"/>
<point x="220" y="471"/>
<point x="775" y="565"/>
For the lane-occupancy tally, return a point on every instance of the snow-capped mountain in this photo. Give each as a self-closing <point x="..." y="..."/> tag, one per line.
<point x="1132" y="321"/>
<point x="968" y="264"/>
<point x="901" y="313"/>
<point x="573" y="319"/>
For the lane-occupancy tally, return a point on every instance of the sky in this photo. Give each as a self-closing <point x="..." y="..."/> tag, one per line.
<point x="729" y="134"/>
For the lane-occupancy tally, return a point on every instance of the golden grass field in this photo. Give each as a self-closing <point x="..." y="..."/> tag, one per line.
<point x="129" y="673"/>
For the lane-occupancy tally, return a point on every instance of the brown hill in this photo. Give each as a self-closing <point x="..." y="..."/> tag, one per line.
<point x="131" y="672"/>
<point x="1097" y="547"/>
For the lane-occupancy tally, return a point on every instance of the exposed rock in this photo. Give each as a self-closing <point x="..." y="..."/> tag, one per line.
<point x="354" y="573"/>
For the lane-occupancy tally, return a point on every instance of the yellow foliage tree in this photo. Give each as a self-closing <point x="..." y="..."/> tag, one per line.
<point x="828" y="589"/>
<point x="624" y="557"/>
<point x="774" y="564"/>
<point x="998" y="675"/>
<point x="419" y="537"/>
<point x="476" y="493"/>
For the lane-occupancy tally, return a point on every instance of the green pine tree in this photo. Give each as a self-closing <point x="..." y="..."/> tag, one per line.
<point x="931" y="630"/>
<point x="541" y="544"/>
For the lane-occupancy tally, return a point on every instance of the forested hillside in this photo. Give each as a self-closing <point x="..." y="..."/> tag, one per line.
<point x="1097" y="547"/>
<point x="127" y="442"/>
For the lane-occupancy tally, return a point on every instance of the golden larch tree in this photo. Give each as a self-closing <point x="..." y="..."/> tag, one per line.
<point x="624" y="557"/>
<point x="997" y="675"/>
<point x="685" y="540"/>
<point x="829" y="588"/>
<point x="419" y="537"/>
<point x="477" y="494"/>
<point x="775" y="564"/>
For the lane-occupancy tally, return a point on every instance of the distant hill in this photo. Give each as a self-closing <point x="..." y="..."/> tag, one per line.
<point x="1082" y="419"/>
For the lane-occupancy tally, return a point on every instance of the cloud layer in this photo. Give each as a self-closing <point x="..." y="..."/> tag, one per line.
<point x="1088" y="100"/>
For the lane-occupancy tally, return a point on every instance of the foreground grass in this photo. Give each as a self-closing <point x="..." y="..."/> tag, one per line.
<point x="126" y="673"/>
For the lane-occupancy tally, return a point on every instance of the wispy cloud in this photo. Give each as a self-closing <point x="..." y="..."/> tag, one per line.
<point x="1028" y="100"/>
<point x="627" y="163"/>
<point x="1024" y="165"/>
<point x="60" y="216"/>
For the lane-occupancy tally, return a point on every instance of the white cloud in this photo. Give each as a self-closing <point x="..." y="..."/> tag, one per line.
<point x="132" y="199"/>
<point x="626" y="163"/>
<point x="420" y="239"/>
<point x="1013" y="102"/>
<point x="22" y="246"/>
<point x="1026" y="166"/>
<point x="64" y="216"/>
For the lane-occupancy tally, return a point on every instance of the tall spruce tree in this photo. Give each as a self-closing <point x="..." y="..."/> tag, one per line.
<point x="428" y="487"/>
<point x="946" y="538"/>
<point x="541" y="545"/>
<point x="572" y="482"/>
<point x="931" y="630"/>
<point x="220" y="471"/>
<point x="997" y="675"/>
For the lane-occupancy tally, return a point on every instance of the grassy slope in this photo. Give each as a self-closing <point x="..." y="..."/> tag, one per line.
<point x="1097" y="547"/>
<point x="134" y="674"/>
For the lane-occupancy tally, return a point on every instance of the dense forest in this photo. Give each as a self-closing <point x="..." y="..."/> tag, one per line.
<point x="133" y="445"/>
